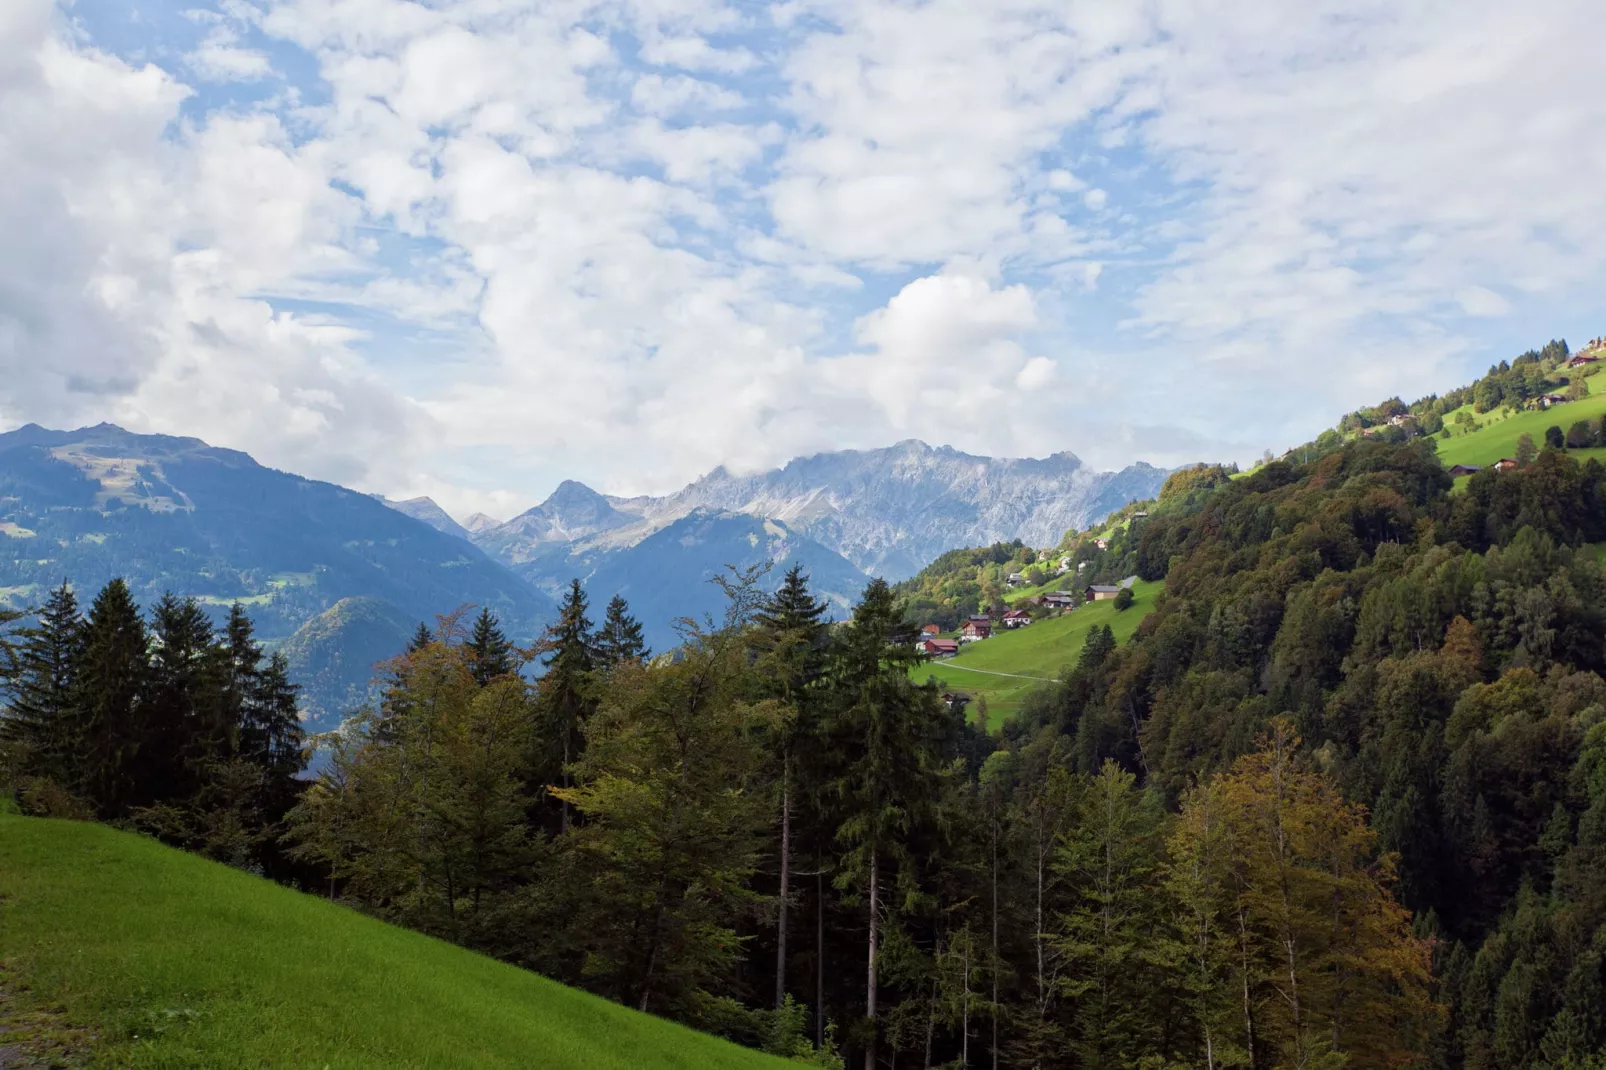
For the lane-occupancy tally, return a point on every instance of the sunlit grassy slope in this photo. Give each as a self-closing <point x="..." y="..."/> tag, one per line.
<point x="174" y="961"/>
<point x="1038" y="652"/>
<point x="1497" y="438"/>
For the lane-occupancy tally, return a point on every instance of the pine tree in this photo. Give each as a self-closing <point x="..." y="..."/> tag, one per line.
<point x="183" y="720"/>
<point x="489" y="653"/>
<point x="567" y="686"/>
<point x="43" y="718"/>
<point x="421" y="638"/>
<point x="619" y="639"/>
<point x="893" y="774"/>
<point x="790" y="635"/>
<point x="108" y="693"/>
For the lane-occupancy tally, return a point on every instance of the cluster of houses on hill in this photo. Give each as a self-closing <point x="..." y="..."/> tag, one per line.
<point x="979" y="626"/>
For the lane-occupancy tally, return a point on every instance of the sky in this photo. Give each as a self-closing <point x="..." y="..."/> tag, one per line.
<point x="470" y="248"/>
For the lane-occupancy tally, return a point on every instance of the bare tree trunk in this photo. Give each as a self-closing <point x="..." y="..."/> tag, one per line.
<point x="1249" y="1016"/>
<point x="786" y="875"/>
<point x="870" y="973"/>
<point x="1038" y="935"/>
<point x="931" y="1021"/>
<point x="819" y="951"/>
<point x="964" y="1017"/>
<point x="994" y="964"/>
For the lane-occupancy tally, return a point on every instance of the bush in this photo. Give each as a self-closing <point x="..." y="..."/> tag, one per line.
<point x="1124" y="599"/>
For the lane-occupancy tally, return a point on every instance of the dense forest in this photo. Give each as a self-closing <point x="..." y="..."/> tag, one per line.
<point x="1340" y="802"/>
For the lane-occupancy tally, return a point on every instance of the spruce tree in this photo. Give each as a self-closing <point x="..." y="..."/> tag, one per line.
<point x="421" y="638"/>
<point x="489" y="653"/>
<point x="184" y="720"/>
<point x="789" y="633"/>
<point x="43" y="715"/>
<point x="619" y="639"/>
<point x="567" y="685"/>
<point x="108" y="692"/>
<point x="892" y="776"/>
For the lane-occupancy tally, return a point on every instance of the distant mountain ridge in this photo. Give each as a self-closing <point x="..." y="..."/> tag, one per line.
<point x="889" y="511"/>
<point x="168" y="513"/>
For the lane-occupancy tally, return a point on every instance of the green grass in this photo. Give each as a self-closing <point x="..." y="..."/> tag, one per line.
<point x="174" y="961"/>
<point x="1039" y="651"/>
<point x="1498" y="438"/>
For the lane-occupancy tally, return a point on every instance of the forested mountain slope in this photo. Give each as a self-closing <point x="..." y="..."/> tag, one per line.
<point x="123" y="951"/>
<point x="176" y="514"/>
<point x="1441" y="657"/>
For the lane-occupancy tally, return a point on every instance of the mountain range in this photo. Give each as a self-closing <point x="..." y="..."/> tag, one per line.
<point x="338" y="578"/>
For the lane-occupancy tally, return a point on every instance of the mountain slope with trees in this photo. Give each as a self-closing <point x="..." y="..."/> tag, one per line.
<point x="167" y="513"/>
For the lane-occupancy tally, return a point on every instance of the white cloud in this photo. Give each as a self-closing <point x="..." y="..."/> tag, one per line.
<point x="496" y="243"/>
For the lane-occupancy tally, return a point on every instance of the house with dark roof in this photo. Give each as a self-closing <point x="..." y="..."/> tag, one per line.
<point x="1064" y="599"/>
<point x="1464" y="469"/>
<point x="1016" y="618"/>
<point x="976" y="630"/>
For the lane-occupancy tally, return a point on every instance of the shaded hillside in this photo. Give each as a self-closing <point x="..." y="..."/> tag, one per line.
<point x="134" y="954"/>
<point x="668" y="574"/>
<point x="335" y="655"/>
<point x="175" y="513"/>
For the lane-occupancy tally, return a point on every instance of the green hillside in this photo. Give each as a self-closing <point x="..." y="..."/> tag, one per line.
<point x="173" y="961"/>
<point x="1497" y="438"/>
<point x="1033" y="655"/>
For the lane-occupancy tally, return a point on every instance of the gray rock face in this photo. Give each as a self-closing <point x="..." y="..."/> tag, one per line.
<point x="426" y="510"/>
<point x="889" y="511"/>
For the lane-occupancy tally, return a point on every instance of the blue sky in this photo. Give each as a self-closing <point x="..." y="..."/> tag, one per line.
<point x="472" y="248"/>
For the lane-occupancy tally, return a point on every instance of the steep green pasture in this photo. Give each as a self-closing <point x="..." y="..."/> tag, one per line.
<point x="174" y="961"/>
<point x="1498" y="438"/>
<point x="1033" y="655"/>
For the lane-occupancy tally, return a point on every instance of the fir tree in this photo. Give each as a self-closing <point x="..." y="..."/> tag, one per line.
<point x="109" y="695"/>
<point x="184" y="721"/>
<point x="619" y="639"/>
<point x="567" y="685"/>
<point x="421" y="638"/>
<point x="43" y="716"/>
<point x="893" y="775"/>
<point x="489" y="653"/>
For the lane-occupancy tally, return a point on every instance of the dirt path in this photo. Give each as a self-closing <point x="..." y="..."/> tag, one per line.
<point x="990" y="672"/>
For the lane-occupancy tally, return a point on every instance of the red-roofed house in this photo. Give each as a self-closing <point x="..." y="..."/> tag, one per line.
<point x="942" y="648"/>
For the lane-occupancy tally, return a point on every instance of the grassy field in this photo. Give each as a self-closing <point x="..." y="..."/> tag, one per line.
<point x="1498" y="438"/>
<point x="1033" y="655"/>
<point x="173" y="961"/>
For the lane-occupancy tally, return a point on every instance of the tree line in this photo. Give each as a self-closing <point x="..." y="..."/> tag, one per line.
<point x="170" y="725"/>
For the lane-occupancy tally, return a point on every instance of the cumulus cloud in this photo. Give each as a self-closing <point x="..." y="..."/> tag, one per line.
<point x="469" y="249"/>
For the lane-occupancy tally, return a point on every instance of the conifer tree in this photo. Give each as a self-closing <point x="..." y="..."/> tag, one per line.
<point x="421" y="638"/>
<point x="42" y="718"/>
<point x="183" y="724"/>
<point x="620" y="638"/>
<point x="109" y="694"/>
<point x="566" y="688"/>
<point x="489" y="653"/>
<point x="789" y="633"/>
<point x="893" y="774"/>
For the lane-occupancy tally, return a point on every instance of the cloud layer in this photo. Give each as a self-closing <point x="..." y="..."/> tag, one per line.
<point x="471" y="248"/>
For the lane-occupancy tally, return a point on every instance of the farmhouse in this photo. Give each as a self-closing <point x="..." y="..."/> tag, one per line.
<point x="1016" y="618"/>
<point x="1547" y="400"/>
<point x="1464" y="469"/>
<point x="1102" y="544"/>
<point x="976" y="630"/>
<point x="1582" y="359"/>
<point x="1101" y="592"/>
<point x="930" y="631"/>
<point x="942" y="648"/>
<point x="1504" y="464"/>
<point x="1064" y="599"/>
<point x="1015" y="579"/>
